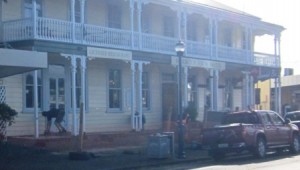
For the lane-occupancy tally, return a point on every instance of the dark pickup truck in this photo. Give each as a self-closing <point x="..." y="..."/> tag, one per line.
<point x="253" y="131"/>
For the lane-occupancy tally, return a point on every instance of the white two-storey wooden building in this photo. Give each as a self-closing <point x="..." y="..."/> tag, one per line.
<point x="117" y="57"/>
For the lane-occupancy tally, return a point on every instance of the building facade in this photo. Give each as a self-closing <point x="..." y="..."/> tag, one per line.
<point x="116" y="60"/>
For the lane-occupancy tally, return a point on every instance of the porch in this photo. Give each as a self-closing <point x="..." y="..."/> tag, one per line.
<point x="55" y="30"/>
<point x="101" y="141"/>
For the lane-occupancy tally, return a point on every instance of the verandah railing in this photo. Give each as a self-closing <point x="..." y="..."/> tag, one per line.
<point x="66" y="31"/>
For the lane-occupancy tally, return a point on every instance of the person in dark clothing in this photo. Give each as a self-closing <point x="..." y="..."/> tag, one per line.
<point x="58" y="114"/>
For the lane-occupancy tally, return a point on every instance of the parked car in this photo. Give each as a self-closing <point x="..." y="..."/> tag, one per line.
<point x="294" y="117"/>
<point x="250" y="131"/>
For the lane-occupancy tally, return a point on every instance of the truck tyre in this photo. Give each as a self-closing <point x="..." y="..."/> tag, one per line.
<point x="260" y="148"/>
<point x="295" y="147"/>
<point x="217" y="156"/>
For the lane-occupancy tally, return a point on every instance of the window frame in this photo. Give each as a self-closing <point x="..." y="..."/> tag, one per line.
<point x="114" y="15"/>
<point x="78" y="78"/>
<point x="121" y="100"/>
<point x="28" y="7"/>
<point x="40" y="91"/>
<point x="168" y="26"/>
<point x="192" y="93"/>
<point x="191" y="30"/>
<point x="146" y="88"/>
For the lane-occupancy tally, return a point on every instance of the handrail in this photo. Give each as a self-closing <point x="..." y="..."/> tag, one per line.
<point x="101" y="36"/>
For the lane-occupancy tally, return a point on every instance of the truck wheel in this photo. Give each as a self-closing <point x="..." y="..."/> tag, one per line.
<point x="218" y="156"/>
<point x="295" y="147"/>
<point x="260" y="148"/>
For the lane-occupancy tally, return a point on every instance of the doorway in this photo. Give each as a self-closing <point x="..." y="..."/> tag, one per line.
<point x="57" y="86"/>
<point x="56" y="90"/>
<point x="169" y="105"/>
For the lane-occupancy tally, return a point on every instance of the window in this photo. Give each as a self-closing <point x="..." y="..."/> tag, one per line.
<point x="29" y="90"/>
<point x="275" y="118"/>
<point x="77" y="11"/>
<point x="192" y="91"/>
<point x="115" y="91"/>
<point x="146" y="24"/>
<point x="257" y="96"/>
<point x="228" y="37"/>
<point x="168" y="78"/>
<point x="191" y="30"/>
<point x="78" y="89"/>
<point x="265" y="118"/>
<point x="145" y="91"/>
<point x="228" y="94"/>
<point x="169" y="26"/>
<point x="28" y="8"/>
<point x="114" y="15"/>
<point x="244" y="40"/>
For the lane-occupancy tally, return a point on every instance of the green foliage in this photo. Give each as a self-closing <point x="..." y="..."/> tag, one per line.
<point x="7" y="114"/>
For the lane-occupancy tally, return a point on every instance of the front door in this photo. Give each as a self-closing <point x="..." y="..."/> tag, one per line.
<point x="57" y="86"/>
<point x="169" y="105"/>
<point x="56" y="89"/>
<point x="57" y="92"/>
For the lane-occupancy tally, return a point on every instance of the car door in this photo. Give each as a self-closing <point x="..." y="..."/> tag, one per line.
<point x="269" y="128"/>
<point x="283" y="130"/>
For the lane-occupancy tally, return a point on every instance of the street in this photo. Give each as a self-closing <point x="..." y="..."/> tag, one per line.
<point x="274" y="161"/>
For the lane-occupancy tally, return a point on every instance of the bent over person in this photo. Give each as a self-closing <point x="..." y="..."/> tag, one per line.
<point x="58" y="114"/>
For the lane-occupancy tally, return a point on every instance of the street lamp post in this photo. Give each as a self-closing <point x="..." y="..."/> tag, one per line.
<point x="179" y="48"/>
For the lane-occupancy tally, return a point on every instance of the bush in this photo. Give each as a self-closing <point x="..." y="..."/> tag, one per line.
<point x="7" y="115"/>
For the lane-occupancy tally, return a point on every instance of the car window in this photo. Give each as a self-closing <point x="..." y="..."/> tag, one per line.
<point x="265" y="118"/>
<point x="293" y="116"/>
<point x="275" y="118"/>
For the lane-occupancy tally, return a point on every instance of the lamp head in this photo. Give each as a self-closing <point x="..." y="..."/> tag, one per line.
<point x="179" y="47"/>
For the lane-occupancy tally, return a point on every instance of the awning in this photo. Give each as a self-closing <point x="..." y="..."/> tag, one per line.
<point x="19" y="61"/>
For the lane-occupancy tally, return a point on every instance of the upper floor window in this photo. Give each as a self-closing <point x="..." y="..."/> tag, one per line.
<point x="115" y="89"/>
<point x="145" y="90"/>
<point x="28" y="8"/>
<point x="146" y="24"/>
<point x="169" y="26"/>
<point x="191" y="30"/>
<point x="228" y="37"/>
<point x="77" y="11"/>
<point x="29" y="90"/>
<point x="244" y="40"/>
<point x="114" y="15"/>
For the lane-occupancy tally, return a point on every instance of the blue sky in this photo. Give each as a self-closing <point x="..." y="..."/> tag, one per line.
<point x="282" y="12"/>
